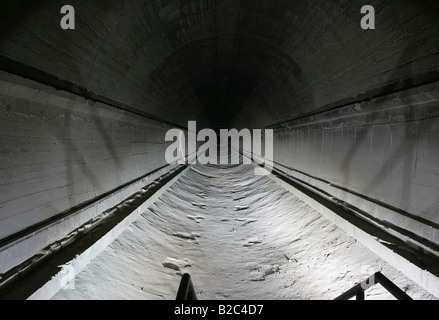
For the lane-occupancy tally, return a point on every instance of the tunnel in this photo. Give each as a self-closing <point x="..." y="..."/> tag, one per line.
<point x="92" y="208"/>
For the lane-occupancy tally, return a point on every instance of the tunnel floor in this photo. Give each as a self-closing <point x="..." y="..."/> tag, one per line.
<point x="239" y="236"/>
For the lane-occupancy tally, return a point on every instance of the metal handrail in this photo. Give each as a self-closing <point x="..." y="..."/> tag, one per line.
<point x="186" y="289"/>
<point x="378" y="277"/>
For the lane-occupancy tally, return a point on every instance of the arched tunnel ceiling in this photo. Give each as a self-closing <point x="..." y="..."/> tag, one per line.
<point x="225" y="62"/>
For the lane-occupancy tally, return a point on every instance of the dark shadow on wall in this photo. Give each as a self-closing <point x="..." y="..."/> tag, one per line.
<point x="105" y="131"/>
<point x="74" y="161"/>
<point x="23" y="10"/>
<point x="404" y="154"/>
<point x="16" y="20"/>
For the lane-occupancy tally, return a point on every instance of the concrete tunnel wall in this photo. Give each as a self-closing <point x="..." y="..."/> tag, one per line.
<point x="61" y="151"/>
<point x="84" y="111"/>
<point x="380" y="156"/>
<point x="65" y="150"/>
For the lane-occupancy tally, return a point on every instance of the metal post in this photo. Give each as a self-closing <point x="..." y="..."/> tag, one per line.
<point x="186" y="289"/>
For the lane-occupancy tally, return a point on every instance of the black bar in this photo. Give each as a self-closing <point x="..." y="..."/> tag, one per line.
<point x="186" y="289"/>
<point x="391" y="287"/>
<point x="360" y="294"/>
<point x="378" y="277"/>
<point x="350" y="293"/>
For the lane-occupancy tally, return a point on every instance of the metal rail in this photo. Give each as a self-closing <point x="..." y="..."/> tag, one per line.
<point x="58" y="252"/>
<point x="378" y="277"/>
<point x="186" y="289"/>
